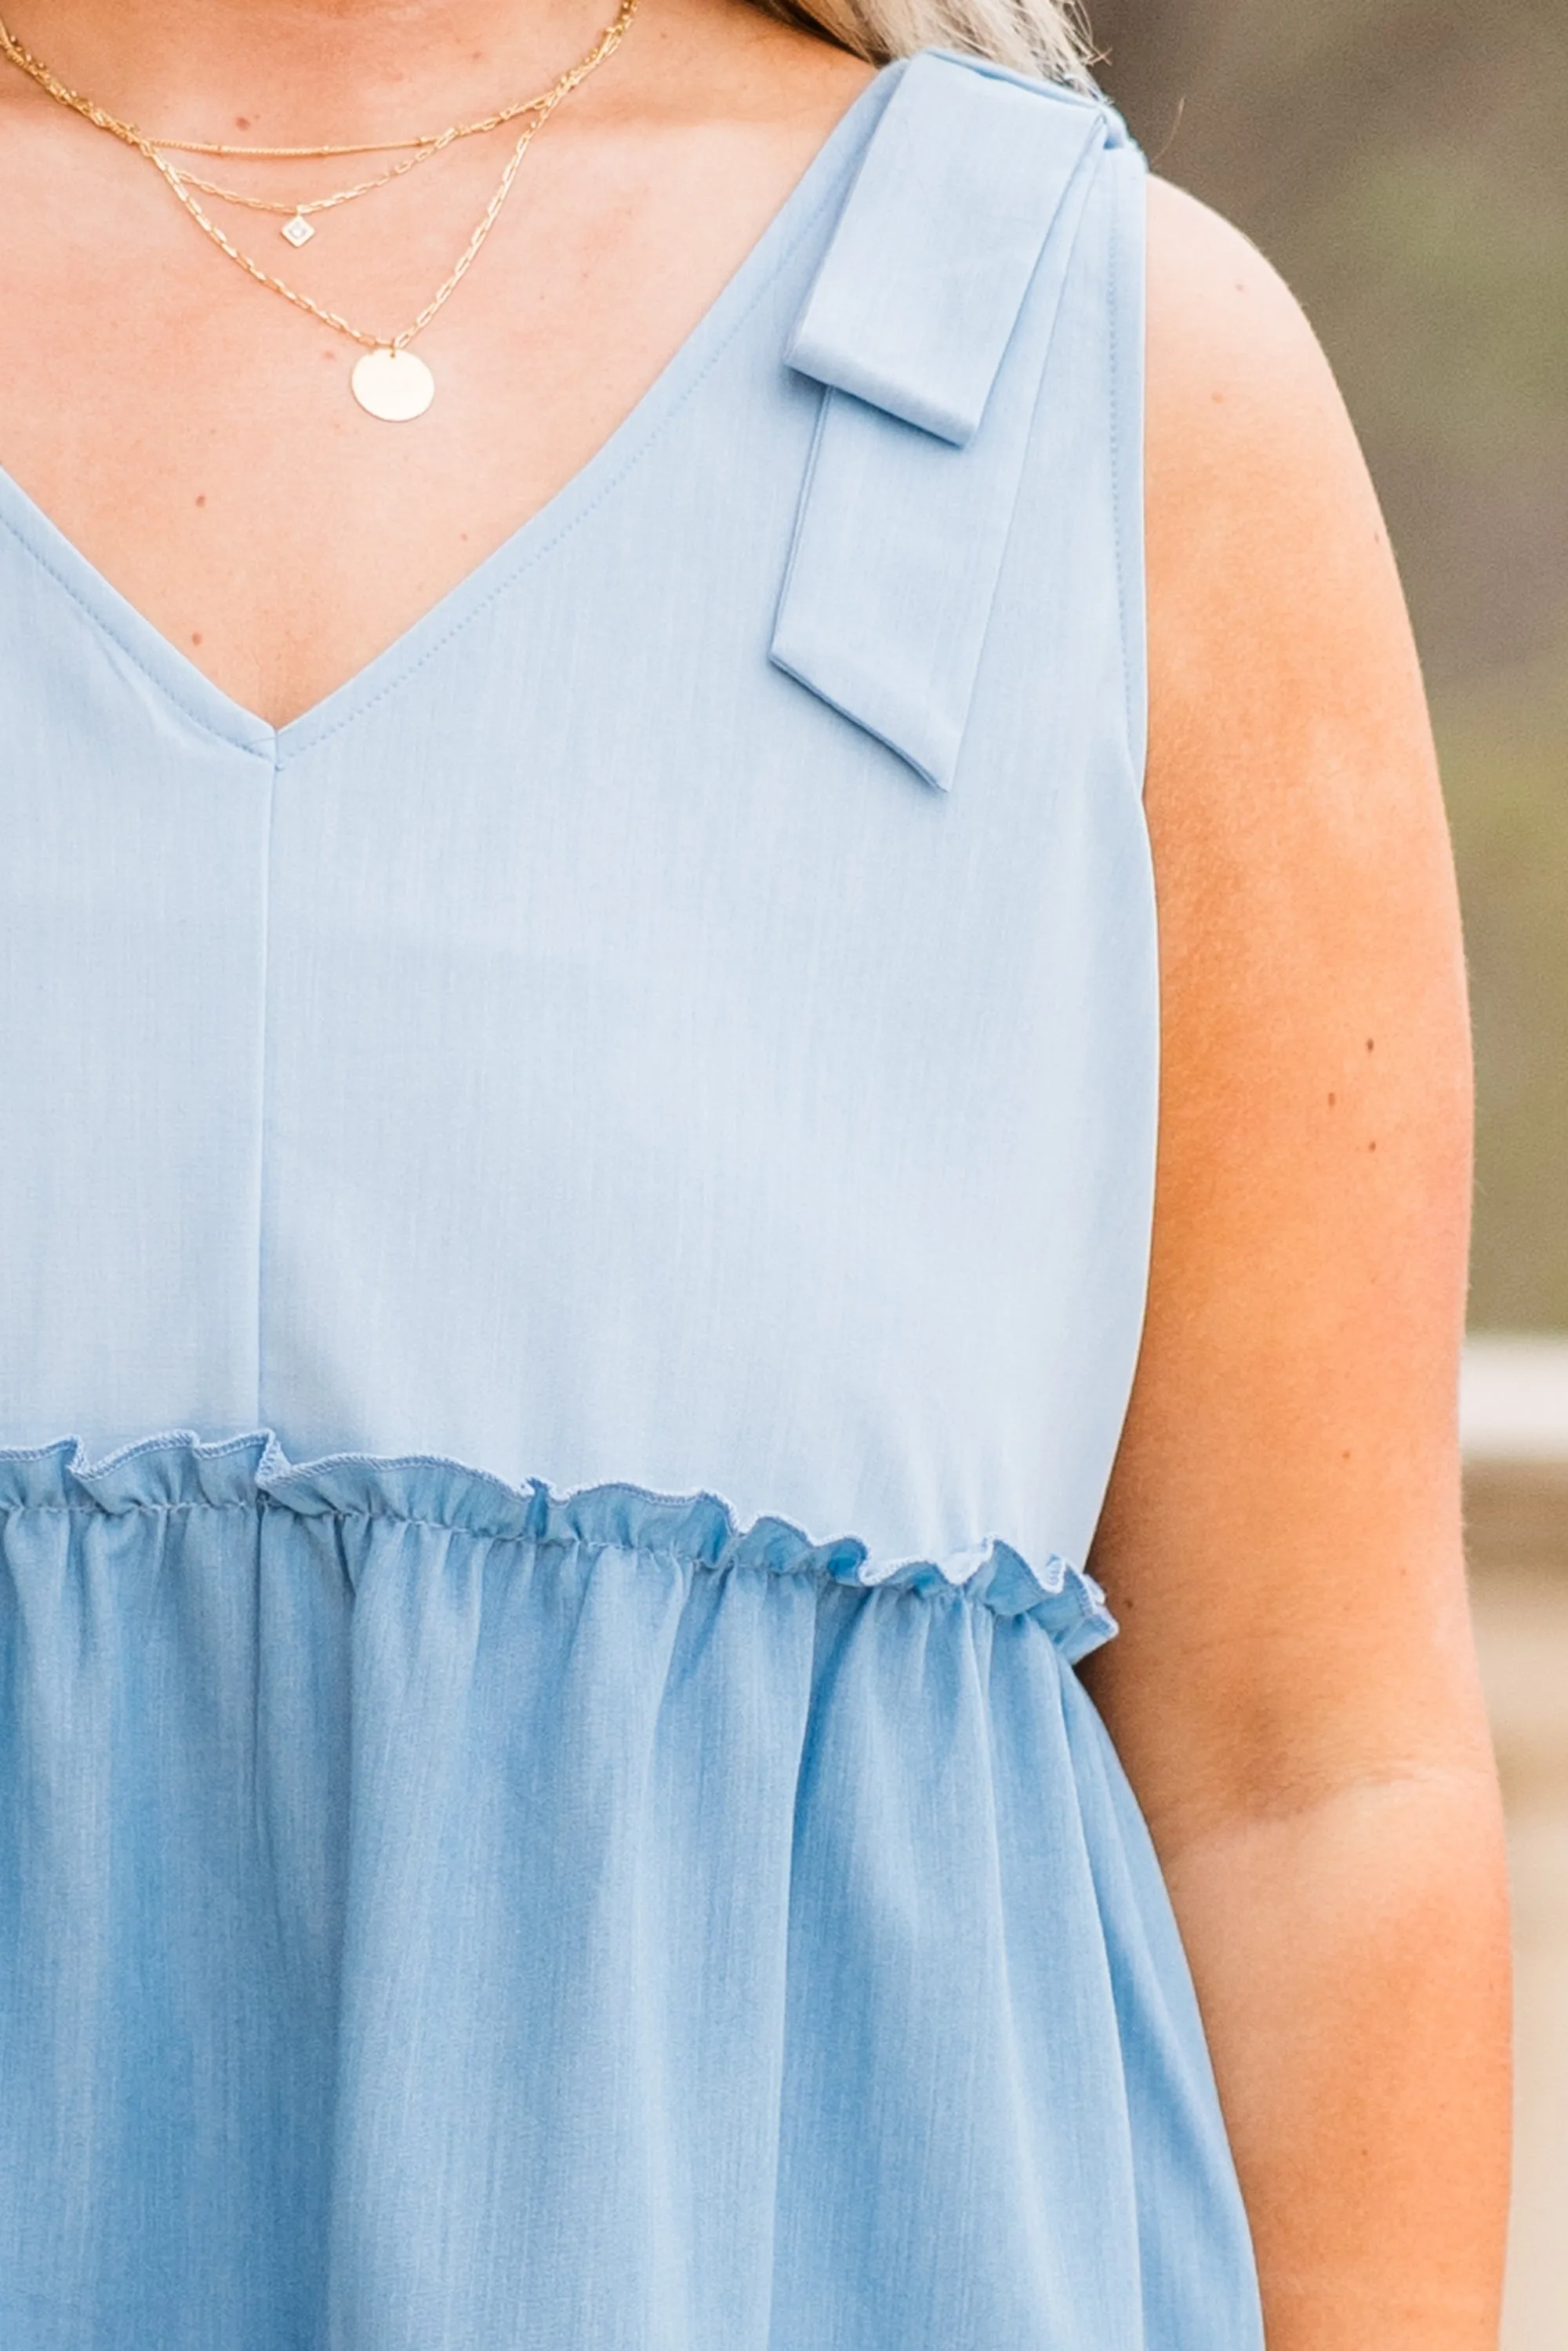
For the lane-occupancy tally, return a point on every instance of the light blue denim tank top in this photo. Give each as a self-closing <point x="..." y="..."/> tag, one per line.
<point x="573" y="1229"/>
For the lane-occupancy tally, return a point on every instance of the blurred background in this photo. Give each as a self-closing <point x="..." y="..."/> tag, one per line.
<point x="1405" y="164"/>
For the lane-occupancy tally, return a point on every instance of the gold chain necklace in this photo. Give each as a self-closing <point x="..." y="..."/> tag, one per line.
<point x="23" y="58"/>
<point x="298" y="218"/>
<point x="390" y="381"/>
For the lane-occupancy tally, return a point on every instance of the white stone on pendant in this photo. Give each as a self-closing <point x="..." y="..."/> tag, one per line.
<point x="299" y="230"/>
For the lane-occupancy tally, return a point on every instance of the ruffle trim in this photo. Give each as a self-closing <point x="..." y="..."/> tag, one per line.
<point x="177" y="1471"/>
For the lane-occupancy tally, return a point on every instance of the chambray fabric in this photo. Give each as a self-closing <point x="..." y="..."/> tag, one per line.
<point x="574" y="1229"/>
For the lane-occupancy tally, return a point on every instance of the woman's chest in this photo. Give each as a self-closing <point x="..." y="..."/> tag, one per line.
<point x="194" y="435"/>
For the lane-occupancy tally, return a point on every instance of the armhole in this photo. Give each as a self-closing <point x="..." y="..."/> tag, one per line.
<point x="1126" y="281"/>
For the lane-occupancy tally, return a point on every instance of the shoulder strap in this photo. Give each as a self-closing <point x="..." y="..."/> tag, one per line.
<point x="949" y="258"/>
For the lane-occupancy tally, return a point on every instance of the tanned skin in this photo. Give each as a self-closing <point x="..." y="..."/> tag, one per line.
<point x="1295" y="1691"/>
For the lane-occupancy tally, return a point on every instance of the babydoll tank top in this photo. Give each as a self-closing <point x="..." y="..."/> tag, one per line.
<point x="574" y="1229"/>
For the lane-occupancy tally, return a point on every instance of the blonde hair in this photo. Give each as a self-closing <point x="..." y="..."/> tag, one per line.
<point x="1034" y="36"/>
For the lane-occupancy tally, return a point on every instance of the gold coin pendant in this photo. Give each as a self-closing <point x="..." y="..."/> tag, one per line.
<point x="396" y="386"/>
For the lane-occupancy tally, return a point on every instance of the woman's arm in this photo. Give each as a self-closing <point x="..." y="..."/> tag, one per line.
<point x="1295" y="1691"/>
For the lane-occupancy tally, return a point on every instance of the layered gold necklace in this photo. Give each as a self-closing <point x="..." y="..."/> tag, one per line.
<point x="389" y="380"/>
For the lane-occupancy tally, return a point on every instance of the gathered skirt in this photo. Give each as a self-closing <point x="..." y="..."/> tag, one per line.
<point x="438" y="1916"/>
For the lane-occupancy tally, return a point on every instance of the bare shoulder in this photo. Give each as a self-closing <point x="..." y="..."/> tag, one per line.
<point x="1289" y="740"/>
<point x="1259" y="502"/>
<point x="1220" y="315"/>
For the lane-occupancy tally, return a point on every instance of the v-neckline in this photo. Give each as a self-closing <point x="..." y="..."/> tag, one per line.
<point x="189" y="688"/>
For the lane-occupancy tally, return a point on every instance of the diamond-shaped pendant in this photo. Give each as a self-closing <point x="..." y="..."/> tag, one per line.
<point x="299" y="230"/>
